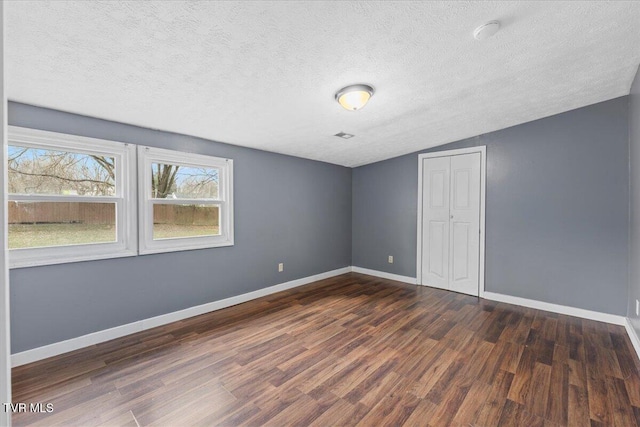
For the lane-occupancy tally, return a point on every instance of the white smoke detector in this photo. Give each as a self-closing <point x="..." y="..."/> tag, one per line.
<point x="485" y="31"/>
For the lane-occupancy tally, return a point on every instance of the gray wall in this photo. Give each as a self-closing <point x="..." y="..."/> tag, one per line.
<point x="557" y="224"/>
<point x="557" y="209"/>
<point x="287" y="210"/>
<point x="634" y="227"/>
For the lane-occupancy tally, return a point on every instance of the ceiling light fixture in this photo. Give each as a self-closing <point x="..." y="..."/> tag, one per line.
<point x="354" y="97"/>
<point x="485" y="31"/>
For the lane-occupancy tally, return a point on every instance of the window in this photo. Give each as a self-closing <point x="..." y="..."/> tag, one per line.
<point x="74" y="199"/>
<point x="186" y="200"/>
<point x="70" y="198"/>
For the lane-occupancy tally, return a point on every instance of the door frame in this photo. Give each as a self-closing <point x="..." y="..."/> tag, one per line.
<point x="482" y="149"/>
<point x="5" y="331"/>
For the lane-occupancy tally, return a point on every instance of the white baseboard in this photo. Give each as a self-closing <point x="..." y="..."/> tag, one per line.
<point x="72" y="344"/>
<point x="633" y="336"/>
<point x="557" y="308"/>
<point x="524" y="302"/>
<point x="540" y="305"/>
<point x="384" y="275"/>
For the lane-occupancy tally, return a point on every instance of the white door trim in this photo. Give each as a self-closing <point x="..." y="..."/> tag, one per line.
<point x="483" y="184"/>
<point x="5" y="331"/>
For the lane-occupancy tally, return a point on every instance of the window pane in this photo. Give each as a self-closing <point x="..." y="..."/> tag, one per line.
<point x="41" y="224"/>
<point x="183" y="182"/>
<point x="42" y="171"/>
<point x="174" y="221"/>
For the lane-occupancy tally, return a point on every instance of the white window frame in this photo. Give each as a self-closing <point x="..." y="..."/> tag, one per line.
<point x="125" y="199"/>
<point x="149" y="155"/>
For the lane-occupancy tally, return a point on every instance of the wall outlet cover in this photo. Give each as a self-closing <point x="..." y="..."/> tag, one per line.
<point x="281" y="267"/>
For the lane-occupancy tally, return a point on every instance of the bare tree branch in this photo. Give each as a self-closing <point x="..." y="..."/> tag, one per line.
<point x="60" y="177"/>
<point x="109" y="166"/>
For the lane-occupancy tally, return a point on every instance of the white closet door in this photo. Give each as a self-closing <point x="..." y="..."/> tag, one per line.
<point x="435" y="225"/>
<point x="451" y="223"/>
<point x="464" y="224"/>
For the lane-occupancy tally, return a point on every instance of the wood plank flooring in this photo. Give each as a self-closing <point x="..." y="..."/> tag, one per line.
<point x="351" y="350"/>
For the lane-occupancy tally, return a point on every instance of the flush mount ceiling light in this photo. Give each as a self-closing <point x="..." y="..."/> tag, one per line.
<point x="485" y="31"/>
<point x="354" y="97"/>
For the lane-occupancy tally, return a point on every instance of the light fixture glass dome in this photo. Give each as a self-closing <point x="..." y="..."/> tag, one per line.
<point x="354" y="97"/>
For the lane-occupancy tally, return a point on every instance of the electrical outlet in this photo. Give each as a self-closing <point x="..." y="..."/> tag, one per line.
<point x="390" y="259"/>
<point x="637" y="307"/>
<point x="281" y="267"/>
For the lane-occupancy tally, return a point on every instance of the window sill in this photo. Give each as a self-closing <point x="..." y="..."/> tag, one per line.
<point x="26" y="262"/>
<point x="186" y="247"/>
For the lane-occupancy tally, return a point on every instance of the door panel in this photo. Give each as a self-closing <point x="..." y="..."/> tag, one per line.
<point x="460" y="248"/>
<point x="437" y="188"/>
<point x="437" y="249"/>
<point x="435" y="222"/>
<point x="461" y="186"/>
<point x="465" y="223"/>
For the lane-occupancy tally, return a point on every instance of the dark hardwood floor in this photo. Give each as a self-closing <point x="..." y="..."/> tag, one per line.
<point x="351" y="350"/>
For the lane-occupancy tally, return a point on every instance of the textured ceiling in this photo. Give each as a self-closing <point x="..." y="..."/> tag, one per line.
<point x="263" y="74"/>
